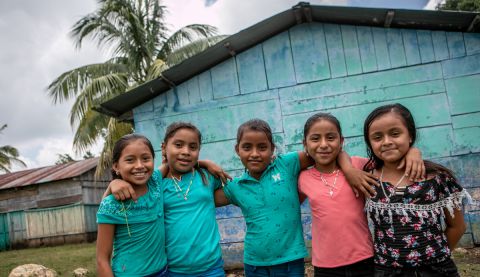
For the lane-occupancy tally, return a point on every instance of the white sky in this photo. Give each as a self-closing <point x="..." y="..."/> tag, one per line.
<point x="35" y="49"/>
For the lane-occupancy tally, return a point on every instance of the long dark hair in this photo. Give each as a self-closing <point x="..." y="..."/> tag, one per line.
<point x="124" y="142"/>
<point x="173" y="128"/>
<point x="375" y="162"/>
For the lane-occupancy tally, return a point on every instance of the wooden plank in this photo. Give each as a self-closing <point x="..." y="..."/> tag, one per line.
<point x="224" y="79"/>
<point x="336" y="57"/>
<point x="309" y="52"/>
<point x="228" y="211"/>
<point x="251" y="70"/>
<point x="467" y="65"/>
<point x="205" y="86"/>
<point x="47" y="203"/>
<point x="425" y="46"/>
<point x="440" y="47"/>
<point x="381" y="48"/>
<point x="172" y="99"/>
<point x="351" y="49"/>
<point x="278" y="61"/>
<point x="464" y="94"/>
<point x="472" y="43"/>
<point x="363" y="97"/>
<point x="228" y="159"/>
<point x="466" y="120"/>
<point x="159" y="103"/>
<point x="466" y="140"/>
<point x="193" y="91"/>
<point x="149" y="129"/>
<point x="231" y="229"/>
<point x="396" y="50"/>
<point x="456" y="45"/>
<point x="182" y="94"/>
<point x="443" y="140"/>
<point x="367" y="49"/>
<point x="410" y="42"/>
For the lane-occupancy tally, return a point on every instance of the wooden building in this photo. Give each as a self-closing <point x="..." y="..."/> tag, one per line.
<point x="50" y="205"/>
<point x="342" y="60"/>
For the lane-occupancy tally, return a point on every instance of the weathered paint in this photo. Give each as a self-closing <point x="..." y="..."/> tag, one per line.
<point x="345" y="70"/>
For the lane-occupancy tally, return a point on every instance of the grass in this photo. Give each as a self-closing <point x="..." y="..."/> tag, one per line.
<point x="63" y="259"/>
<point x="66" y="258"/>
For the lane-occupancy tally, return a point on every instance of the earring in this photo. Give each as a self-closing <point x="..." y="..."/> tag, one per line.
<point x="117" y="172"/>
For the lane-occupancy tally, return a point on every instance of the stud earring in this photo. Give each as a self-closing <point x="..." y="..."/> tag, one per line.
<point x="117" y="172"/>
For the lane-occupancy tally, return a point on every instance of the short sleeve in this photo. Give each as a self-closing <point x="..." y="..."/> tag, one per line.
<point x="110" y="211"/>
<point x="448" y="186"/>
<point x="359" y="162"/>
<point x="228" y="190"/>
<point x="290" y="162"/>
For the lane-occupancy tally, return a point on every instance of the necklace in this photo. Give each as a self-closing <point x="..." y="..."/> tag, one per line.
<point x="331" y="188"/>
<point x="126" y="217"/>
<point x="395" y="186"/>
<point x="178" y="188"/>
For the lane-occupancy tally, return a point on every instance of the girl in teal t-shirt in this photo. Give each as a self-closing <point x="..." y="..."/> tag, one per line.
<point x="131" y="236"/>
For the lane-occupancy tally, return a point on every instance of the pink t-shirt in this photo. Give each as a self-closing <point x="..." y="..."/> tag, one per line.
<point x="340" y="234"/>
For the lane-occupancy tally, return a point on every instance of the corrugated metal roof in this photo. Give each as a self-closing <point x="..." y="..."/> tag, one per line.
<point x="46" y="174"/>
<point x="120" y="106"/>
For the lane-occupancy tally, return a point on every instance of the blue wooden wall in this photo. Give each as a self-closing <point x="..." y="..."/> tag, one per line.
<point x="342" y="69"/>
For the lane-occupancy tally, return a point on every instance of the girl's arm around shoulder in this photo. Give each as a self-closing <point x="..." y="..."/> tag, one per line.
<point x="359" y="180"/>
<point x="220" y="198"/>
<point x="104" y="250"/>
<point x="215" y="170"/>
<point x="305" y="160"/>
<point x="121" y="190"/>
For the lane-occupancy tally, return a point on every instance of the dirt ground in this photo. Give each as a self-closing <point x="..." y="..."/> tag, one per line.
<point x="467" y="260"/>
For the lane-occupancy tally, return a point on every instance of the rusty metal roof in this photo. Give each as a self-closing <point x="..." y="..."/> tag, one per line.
<point x="303" y="12"/>
<point x="46" y="174"/>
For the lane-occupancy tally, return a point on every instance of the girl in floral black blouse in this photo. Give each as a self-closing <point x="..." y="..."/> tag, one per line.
<point x="416" y="224"/>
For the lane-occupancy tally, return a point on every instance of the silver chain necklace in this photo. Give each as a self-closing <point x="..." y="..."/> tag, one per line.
<point x="178" y="188"/>
<point x="395" y="186"/>
<point x="331" y="188"/>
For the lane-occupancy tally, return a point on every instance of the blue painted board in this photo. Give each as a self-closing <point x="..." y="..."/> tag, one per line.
<point x="367" y="49"/>
<point x="336" y="55"/>
<point x="224" y="79"/>
<point x="464" y="94"/>
<point x="425" y="45"/>
<point x="381" y="48"/>
<point x="440" y="46"/>
<point x="193" y="91"/>
<point x="205" y="86"/>
<point x="351" y="49"/>
<point x="309" y="52"/>
<point x="462" y="66"/>
<point x="410" y="42"/>
<point x="456" y="45"/>
<point x="396" y="50"/>
<point x="251" y="70"/>
<point x="472" y="43"/>
<point x="278" y="61"/>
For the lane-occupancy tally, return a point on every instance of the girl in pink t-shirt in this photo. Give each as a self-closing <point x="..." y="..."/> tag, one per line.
<point x="341" y="241"/>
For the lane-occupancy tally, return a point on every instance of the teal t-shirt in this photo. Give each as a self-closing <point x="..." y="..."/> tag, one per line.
<point x="139" y="247"/>
<point x="272" y="212"/>
<point x="192" y="236"/>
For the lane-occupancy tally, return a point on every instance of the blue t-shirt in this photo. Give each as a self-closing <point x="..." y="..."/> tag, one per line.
<point x="192" y="236"/>
<point x="272" y="212"/>
<point x="139" y="246"/>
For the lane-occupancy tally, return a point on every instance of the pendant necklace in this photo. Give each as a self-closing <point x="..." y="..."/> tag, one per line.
<point x="178" y="188"/>
<point x="331" y="188"/>
<point x="395" y="186"/>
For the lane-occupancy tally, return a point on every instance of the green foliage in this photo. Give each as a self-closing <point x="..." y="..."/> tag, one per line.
<point x="8" y="156"/>
<point x="460" y="5"/>
<point x="64" y="158"/>
<point x="136" y="34"/>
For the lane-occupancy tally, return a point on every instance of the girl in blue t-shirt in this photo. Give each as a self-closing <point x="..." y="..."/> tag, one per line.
<point x="192" y="237"/>
<point x="131" y="236"/>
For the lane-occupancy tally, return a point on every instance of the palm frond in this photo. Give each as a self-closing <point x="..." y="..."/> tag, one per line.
<point x="192" y="49"/>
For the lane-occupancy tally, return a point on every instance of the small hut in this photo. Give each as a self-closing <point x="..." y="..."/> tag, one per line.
<point x="50" y="205"/>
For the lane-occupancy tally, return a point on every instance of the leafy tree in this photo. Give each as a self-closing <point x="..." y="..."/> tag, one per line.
<point x="64" y="158"/>
<point x="142" y="47"/>
<point x="88" y="155"/>
<point x="8" y="156"/>
<point x="460" y="5"/>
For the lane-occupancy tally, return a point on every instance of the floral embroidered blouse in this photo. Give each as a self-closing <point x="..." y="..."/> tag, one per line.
<point x="408" y="229"/>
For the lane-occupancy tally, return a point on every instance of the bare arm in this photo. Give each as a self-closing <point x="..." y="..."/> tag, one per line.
<point x="359" y="180"/>
<point x="121" y="190"/>
<point x="105" y="236"/>
<point x="305" y="160"/>
<point x="220" y="198"/>
<point x="215" y="170"/>
<point x="455" y="227"/>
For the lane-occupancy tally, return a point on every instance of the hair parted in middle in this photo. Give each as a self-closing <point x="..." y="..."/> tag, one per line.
<point x="257" y="125"/>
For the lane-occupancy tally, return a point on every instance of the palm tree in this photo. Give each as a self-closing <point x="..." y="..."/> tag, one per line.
<point x="8" y="156"/>
<point x="138" y="38"/>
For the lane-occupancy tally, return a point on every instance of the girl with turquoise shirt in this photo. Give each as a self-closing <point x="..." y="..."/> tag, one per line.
<point x="131" y="236"/>
<point x="192" y="237"/>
